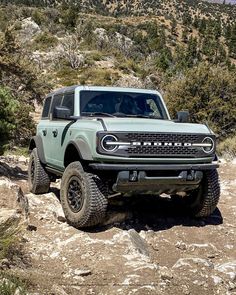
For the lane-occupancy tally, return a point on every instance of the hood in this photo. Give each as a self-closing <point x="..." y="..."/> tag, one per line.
<point x="153" y="125"/>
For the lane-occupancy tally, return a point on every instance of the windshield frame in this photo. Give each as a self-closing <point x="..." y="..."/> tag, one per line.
<point x="136" y="94"/>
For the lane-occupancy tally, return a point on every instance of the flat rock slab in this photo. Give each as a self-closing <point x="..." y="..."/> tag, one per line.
<point x="138" y="242"/>
<point x="131" y="255"/>
<point x="8" y="218"/>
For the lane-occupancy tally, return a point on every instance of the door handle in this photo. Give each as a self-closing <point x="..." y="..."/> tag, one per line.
<point x="55" y="132"/>
<point x="44" y="132"/>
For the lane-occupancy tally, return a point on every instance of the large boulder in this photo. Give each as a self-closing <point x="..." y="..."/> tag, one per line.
<point x="129" y="81"/>
<point x="29" y="29"/>
<point x="101" y="34"/>
<point x="123" y="43"/>
<point x="13" y="204"/>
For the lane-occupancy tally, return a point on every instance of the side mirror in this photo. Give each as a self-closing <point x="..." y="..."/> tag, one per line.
<point x="183" y="117"/>
<point x="60" y="112"/>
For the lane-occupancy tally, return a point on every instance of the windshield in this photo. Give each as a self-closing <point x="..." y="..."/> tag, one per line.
<point x="121" y="104"/>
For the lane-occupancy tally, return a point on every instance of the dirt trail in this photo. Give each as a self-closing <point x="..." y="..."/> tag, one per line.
<point x="146" y="248"/>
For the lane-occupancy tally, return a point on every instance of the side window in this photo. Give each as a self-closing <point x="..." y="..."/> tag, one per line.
<point x="46" y="107"/>
<point x="56" y="101"/>
<point x="68" y="101"/>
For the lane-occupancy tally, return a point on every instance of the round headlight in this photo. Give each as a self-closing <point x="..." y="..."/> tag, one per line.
<point x="107" y="141"/>
<point x="208" y="145"/>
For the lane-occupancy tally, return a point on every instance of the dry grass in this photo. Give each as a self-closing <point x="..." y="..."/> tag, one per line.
<point x="9" y="241"/>
<point x="11" y="284"/>
<point x="227" y="148"/>
<point x="10" y="247"/>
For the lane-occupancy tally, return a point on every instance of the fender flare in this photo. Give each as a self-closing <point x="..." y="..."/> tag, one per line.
<point x="37" y="142"/>
<point x="82" y="148"/>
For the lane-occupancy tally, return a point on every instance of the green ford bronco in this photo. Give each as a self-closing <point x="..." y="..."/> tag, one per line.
<point x="105" y="141"/>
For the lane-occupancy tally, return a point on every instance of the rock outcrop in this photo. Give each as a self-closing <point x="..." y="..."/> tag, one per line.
<point x="29" y="29"/>
<point x="142" y="251"/>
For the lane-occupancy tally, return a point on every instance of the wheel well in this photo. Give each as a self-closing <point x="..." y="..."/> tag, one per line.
<point x="32" y="145"/>
<point x="71" y="155"/>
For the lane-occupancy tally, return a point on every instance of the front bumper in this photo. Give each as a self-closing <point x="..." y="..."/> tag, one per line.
<point x="152" y="167"/>
<point x="156" y="178"/>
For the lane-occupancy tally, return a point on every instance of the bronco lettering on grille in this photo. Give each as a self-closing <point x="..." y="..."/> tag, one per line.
<point x="147" y="143"/>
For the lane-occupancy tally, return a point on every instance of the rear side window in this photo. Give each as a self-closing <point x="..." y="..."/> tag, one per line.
<point x="68" y="101"/>
<point x="46" y="107"/>
<point x="56" y="101"/>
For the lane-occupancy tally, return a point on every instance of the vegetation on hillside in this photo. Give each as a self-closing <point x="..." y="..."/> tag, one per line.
<point x="209" y="93"/>
<point x="187" y="50"/>
<point x="20" y="87"/>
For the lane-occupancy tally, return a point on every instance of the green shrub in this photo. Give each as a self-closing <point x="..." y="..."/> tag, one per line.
<point x="98" y="76"/>
<point x="8" y="107"/>
<point x="44" y="41"/>
<point x="3" y="20"/>
<point x="67" y="76"/>
<point x="129" y="66"/>
<point x="96" y="55"/>
<point x="209" y="93"/>
<point x="16" y="125"/>
<point x="39" y="17"/>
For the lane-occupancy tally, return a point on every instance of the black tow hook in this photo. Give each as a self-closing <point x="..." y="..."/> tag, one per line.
<point x="133" y="176"/>
<point x="195" y="175"/>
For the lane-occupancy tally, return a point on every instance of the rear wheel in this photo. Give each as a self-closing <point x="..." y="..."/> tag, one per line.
<point x="82" y="197"/>
<point x="38" y="178"/>
<point x="203" y="201"/>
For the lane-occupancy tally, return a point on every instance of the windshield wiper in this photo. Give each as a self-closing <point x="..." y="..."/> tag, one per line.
<point x="140" y="116"/>
<point x="91" y="114"/>
<point x="132" y="116"/>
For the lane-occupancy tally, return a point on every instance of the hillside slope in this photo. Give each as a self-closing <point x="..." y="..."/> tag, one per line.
<point x="135" y="7"/>
<point x="223" y="1"/>
<point x="143" y="43"/>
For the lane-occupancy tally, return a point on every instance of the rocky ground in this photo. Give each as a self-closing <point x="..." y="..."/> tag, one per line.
<point x="145" y="246"/>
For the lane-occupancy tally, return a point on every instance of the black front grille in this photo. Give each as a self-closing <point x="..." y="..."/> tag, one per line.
<point x="164" y="137"/>
<point x="163" y="150"/>
<point x="168" y="145"/>
<point x="152" y="150"/>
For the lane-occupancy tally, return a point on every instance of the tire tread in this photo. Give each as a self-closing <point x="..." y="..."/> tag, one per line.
<point x="211" y="195"/>
<point x="41" y="182"/>
<point x="96" y="203"/>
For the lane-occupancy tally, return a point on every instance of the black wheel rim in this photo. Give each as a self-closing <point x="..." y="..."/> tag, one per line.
<point x="75" y="195"/>
<point x="32" y="170"/>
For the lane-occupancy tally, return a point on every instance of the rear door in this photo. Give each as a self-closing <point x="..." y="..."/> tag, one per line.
<point x="53" y="133"/>
<point x="43" y="127"/>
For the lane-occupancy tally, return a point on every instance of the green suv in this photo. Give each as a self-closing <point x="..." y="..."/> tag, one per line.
<point x="105" y="141"/>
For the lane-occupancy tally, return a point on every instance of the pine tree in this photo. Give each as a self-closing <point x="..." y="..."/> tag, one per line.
<point x="232" y="42"/>
<point x="191" y="52"/>
<point x="202" y="26"/>
<point x="184" y="36"/>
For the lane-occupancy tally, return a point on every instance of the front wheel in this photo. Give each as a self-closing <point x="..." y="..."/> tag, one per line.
<point x="82" y="197"/>
<point x="203" y="201"/>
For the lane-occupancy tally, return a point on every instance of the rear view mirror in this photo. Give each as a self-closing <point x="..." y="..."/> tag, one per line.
<point x="183" y="117"/>
<point x="60" y="112"/>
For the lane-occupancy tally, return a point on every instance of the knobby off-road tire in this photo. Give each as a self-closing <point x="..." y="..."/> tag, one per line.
<point x="206" y="198"/>
<point x="38" y="178"/>
<point x="82" y="197"/>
